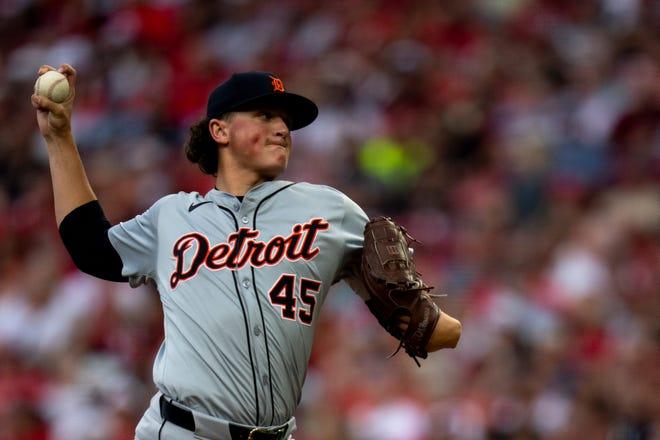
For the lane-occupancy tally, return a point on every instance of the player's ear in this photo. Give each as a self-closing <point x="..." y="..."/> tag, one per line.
<point x="219" y="130"/>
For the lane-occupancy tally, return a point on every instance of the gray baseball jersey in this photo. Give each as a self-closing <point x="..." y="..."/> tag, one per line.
<point x="241" y="284"/>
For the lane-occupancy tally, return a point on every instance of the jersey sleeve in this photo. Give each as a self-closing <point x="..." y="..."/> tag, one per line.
<point x="352" y="227"/>
<point x="136" y="242"/>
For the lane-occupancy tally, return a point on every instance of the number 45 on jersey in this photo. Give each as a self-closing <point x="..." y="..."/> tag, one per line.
<point x="283" y="294"/>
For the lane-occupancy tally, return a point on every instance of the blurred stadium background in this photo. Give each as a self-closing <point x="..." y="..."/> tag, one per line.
<point x="519" y="140"/>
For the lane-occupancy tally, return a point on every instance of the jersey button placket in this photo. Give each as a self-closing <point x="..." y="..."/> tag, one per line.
<point x="259" y="348"/>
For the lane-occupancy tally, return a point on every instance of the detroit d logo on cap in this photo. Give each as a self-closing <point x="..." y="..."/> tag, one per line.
<point x="278" y="85"/>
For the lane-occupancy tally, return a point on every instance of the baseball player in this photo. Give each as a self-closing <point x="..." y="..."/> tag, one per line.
<point x="242" y="271"/>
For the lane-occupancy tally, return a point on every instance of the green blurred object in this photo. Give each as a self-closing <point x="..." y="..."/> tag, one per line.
<point x="396" y="164"/>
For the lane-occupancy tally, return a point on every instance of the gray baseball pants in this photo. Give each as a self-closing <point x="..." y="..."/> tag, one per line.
<point x="153" y="427"/>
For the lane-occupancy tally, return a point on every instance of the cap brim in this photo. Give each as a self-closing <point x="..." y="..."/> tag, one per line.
<point x="301" y="111"/>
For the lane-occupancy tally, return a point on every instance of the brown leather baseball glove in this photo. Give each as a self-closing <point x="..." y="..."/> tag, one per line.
<point x="396" y="290"/>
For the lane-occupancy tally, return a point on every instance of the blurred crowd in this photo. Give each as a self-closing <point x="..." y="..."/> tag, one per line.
<point x="518" y="140"/>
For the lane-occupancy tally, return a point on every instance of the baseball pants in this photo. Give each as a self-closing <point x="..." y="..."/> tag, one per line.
<point x="153" y="427"/>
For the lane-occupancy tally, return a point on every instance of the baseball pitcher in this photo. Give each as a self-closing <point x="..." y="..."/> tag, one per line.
<point x="243" y="270"/>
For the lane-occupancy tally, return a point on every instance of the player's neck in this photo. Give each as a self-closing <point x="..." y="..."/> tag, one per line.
<point x="237" y="182"/>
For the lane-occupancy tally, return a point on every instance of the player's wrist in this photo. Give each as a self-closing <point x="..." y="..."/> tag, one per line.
<point x="446" y="333"/>
<point x="59" y="140"/>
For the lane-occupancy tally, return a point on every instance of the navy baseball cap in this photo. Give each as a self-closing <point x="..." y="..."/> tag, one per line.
<point x="249" y="90"/>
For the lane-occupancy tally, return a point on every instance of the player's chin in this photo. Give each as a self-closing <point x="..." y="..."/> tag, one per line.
<point x="280" y="158"/>
<point x="275" y="169"/>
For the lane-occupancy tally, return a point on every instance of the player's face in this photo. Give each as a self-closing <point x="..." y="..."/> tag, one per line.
<point x="260" y="141"/>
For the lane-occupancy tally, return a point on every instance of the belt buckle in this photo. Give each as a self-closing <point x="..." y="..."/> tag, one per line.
<point x="255" y="431"/>
<point x="262" y="430"/>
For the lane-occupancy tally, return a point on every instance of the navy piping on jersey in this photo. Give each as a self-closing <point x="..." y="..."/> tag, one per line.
<point x="256" y="294"/>
<point x="247" y="330"/>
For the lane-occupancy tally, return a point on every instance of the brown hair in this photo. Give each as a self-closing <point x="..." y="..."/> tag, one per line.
<point x="201" y="148"/>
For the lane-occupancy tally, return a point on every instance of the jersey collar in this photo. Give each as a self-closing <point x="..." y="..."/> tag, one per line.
<point x="255" y="194"/>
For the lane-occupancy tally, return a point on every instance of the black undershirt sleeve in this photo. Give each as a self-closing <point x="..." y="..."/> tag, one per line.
<point x="84" y="232"/>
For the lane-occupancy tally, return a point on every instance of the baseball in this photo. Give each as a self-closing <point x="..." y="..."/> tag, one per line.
<point x="53" y="85"/>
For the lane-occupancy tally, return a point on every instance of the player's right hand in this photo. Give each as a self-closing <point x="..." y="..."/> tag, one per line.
<point x="55" y="119"/>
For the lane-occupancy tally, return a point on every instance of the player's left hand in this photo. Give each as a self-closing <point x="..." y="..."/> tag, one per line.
<point x="398" y="297"/>
<point x="403" y="323"/>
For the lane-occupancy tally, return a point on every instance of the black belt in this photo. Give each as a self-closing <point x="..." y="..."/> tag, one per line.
<point x="184" y="418"/>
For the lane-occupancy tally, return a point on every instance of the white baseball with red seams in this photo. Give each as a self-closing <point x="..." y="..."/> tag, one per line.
<point x="53" y="85"/>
